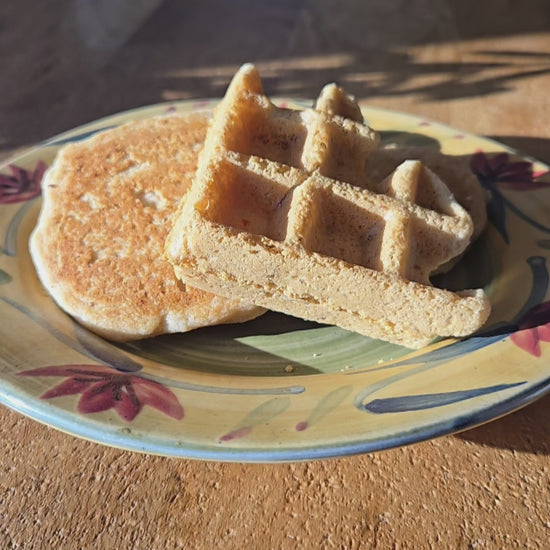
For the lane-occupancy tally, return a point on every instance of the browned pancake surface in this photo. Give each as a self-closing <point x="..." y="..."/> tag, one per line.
<point x="108" y="205"/>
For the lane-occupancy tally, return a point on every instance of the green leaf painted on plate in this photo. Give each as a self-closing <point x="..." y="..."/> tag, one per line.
<point x="5" y="278"/>
<point x="262" y="414"/>
<point x="326" y="405"/>
<point x="266" y="411"/>
<point x="10" y="240"/>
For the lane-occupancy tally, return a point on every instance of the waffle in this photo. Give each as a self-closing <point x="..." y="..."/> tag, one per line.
<point x="276" y="216"/>
<point x="453" y="170"/>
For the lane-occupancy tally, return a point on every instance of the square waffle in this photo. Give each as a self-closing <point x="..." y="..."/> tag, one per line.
<point x="279" y="216"/>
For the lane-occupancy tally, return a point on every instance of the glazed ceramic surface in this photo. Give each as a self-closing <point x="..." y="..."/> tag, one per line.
<point x="279" y="388"/>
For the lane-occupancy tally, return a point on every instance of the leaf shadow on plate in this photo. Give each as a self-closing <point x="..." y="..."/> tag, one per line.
<point x="472" y="271"/>
<point x="536" y="147"/>
<point x="526" y="430"/>
<point x="407" y="139"/>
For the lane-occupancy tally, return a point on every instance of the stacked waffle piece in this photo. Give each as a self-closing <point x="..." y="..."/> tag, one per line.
<point x="280" y="215"/>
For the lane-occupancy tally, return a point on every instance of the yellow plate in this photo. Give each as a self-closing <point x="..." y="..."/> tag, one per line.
<point x="278" y="388"/>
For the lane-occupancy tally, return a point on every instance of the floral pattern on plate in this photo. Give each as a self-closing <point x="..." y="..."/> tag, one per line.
<point x="278" y="388"/>
<point x="103" y="388"/>
<point x="21" y="184"/>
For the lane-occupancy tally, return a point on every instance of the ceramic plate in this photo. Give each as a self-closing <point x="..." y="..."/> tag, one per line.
<point x="278" y="388"/>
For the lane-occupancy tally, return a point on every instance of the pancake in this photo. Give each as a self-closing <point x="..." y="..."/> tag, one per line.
<point x="108" y="204"/>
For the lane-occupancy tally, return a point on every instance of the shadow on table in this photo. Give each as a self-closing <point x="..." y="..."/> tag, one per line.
<point x="81" y="65"/>
<point x="527" y="430"/>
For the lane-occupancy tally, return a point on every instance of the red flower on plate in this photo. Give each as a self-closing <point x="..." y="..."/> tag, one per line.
<point x="498" y="173"/>
<point x="535" y="328"/>
<point x="498" y="169"/>
<point x="529" y="339"/>
<point x="21" y="185"/>
<point x="104" y="388"/>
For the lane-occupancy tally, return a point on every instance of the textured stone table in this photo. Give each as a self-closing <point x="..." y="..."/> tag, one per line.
<point x="476" y="66"/>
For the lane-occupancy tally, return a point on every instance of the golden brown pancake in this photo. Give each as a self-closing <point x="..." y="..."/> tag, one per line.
<point x="108" y="204"/>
